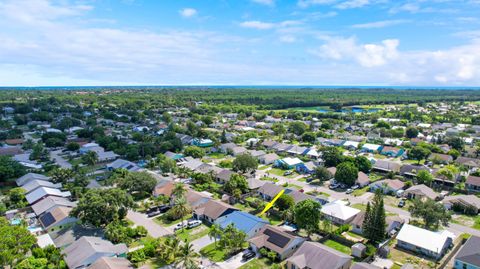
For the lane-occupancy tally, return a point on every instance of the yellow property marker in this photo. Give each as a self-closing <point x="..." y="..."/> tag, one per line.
<point x="269" y="205"/>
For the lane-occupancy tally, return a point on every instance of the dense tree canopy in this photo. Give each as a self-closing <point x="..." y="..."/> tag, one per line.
<point x="99" y="207"/>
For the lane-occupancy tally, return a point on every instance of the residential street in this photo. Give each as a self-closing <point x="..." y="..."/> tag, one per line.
<point x="154" y="229"/>
<point x="55" y="155"/>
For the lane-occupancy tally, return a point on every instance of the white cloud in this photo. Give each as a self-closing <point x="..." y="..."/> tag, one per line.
<point x="307" y="3"/>
<point x="454" y="66"/>
<point x="188" y="12"/>
<point x="352" y="4"/>
<point x="367" y="55"/>
<point x="257" y="25"/>
<point x="265" y="2"/>
<point x="288" y="38"/>
<point x="379" y="24"/>
<point x="260" y="25"/>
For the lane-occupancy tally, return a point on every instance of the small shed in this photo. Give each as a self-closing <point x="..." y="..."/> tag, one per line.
<point x="359" y="250"/>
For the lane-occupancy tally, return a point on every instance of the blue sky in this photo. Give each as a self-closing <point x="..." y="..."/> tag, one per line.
<point x="240" y="42"/>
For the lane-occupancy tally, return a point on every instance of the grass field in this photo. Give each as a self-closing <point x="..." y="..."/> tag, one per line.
<point x="257" y="263"/>
<point x="162" y="220"/>
<point x="338" y="246"/>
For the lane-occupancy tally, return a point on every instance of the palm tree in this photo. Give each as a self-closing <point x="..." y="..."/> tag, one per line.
<point x="187" y="257"/>
<point x="170" y="249"/>
<point x="215" y="232"/>
<point x="180" y="209"/>
<point x="90" y="158"/>
<point x="179" y="190"/>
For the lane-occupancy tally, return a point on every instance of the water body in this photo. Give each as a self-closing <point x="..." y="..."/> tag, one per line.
<point x="352" y="110"/>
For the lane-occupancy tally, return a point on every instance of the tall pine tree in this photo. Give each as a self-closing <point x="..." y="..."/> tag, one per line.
<point x="374" y="223"/>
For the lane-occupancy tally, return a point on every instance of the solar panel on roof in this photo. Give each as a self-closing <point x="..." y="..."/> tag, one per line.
<point x="276" y="239"/>
<point x="47" y="219"/>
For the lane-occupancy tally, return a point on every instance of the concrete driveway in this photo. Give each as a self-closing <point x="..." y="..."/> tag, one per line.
<point x="154" y="229"/>
<point x="202" y="242"/>
<point x="234" y="262"/>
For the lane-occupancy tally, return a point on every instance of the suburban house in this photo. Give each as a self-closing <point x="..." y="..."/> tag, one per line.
<point x="35" y="184"/>
<point x="306" y="168"/>
<point x="243" y="221"/>
<point x="313" y="255"/>
<point x="410" y="170"/>
<point x="274" y="239"/>
<point x="392" y="151"/>
<point x="388" y="186"/>
<point x="287" y="163"/>
<point x="212" y="210"/>
<point x="87" y="250"/>
<point x="122" y="164"/>
<point x="440" y="158"/>
<point x="57" y="217"/>
<point x="111" y="263"/>
<point x="462" y="201"/>
<point x="43" y="192"/>
<point x="472" y="183"/>
<point x="196" y="199"/>
<point x="393" y="223"/>
<point x="269" y="190"/>
<point x="339" y="213"/>
<point x="424" y="242"/>
<point x="420" y="191"/>
<point x="268" y="158"/>
<point x="371" y="148"/>
<point x="164" y="188"/>
<point x="470" y="163"/>
<point x="387" y="166"/>
<point x="351" y="145"/>
<point x="30" y="177"/>
<point x="49" y="203"/>
<point x="469" y="255"/>
<point x="203" y="143"/>
<point x="362" y="179"/>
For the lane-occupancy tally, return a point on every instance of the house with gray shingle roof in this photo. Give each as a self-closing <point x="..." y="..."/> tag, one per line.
<point x="87" y="250"/>
<point x="469" y="255"/>
<point x="314" y="255"/>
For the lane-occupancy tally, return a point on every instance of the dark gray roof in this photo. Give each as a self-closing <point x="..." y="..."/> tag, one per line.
<point x="317" y="256"/>
<point x="470" y="252"/>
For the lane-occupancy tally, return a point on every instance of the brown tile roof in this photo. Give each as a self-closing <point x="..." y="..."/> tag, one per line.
<point x="473" y="180"/>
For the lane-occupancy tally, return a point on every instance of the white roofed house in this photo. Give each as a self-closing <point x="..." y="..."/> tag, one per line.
<point x="35" y="184"/>
<point x="372" y="148"/>
<point x="425" y="242"/>
<point x="43" y="192"/>
<point x="339" y="213"/>
<point x="351" y="145"/>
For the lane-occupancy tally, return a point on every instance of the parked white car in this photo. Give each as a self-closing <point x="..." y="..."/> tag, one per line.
<point x="193" y="223"/>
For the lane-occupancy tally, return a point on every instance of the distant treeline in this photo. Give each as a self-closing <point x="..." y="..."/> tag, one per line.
<point x="263" y="97"/>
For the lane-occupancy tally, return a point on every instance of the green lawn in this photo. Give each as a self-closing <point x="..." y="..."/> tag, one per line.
<point x="360" y="192"/>
<point x="192" y="234"/>
<point x="216" y="155"/>
<point x="294" y="186"/>
<point x="213" y="253"/>
<point x="162" y="220"/>
<point x="338" y="246"/>
<point x="257" y="263"/>
<point x="277" y="171"/>
<point x="273" y="219"/>
<point x="360" y="206"/>
<point x="264" y="167"/>
<point x="470" y="221"/>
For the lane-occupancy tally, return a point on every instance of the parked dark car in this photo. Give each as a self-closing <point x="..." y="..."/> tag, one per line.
<point x="248" y="255"/>
<point x="401" y="203"/>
